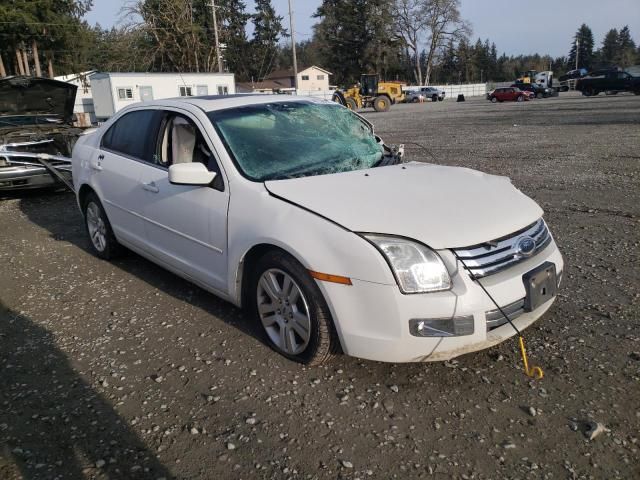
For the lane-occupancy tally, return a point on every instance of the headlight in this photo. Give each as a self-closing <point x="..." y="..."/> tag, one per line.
<point x="417" y="268"/>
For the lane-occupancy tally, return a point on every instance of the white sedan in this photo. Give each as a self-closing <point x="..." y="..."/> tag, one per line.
<point x="292" y="208"/>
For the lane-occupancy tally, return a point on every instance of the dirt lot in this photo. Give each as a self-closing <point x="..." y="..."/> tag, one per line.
<point x="126" y="371"/>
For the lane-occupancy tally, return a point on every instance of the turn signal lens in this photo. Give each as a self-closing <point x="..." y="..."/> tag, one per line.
<point x="327" y="277"/>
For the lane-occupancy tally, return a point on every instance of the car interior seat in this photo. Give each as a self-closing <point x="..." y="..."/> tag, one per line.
<point x="183" y="141"/>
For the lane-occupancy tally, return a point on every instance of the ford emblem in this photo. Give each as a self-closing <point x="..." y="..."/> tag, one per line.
<point x="525" y="246"/>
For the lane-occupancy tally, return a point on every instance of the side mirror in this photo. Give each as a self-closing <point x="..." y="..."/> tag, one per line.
<point x="190" y="174"/>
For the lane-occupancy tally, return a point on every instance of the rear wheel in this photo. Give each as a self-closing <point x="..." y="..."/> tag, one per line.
<point x="440" y="99"/>
<point x="381" y="104"/>
<point x="103" y="241"/>
<point x="292" y="311"/>
<point x="351" y="104"/>
<point x="434" y="98"/>
<point x="520" y="98"/>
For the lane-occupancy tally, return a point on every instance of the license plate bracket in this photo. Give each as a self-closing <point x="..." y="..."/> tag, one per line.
<point x="540" y="285"/>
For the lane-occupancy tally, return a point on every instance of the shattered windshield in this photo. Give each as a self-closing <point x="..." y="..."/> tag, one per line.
<point x="297" y="139"/>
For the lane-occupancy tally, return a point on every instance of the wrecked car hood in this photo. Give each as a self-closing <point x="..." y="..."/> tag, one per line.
<point x="29" y="98"/>
<point x="443" y="207"/>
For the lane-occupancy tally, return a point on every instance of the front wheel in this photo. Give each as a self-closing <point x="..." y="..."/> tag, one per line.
<point x="494" y="100"/>
<point x="103" y="241"/>
<point x="381" y="104"/>
<point x="292" y="311"/>
<point x="539" y="95"/>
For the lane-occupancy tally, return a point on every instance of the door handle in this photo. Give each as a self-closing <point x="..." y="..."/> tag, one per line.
<point x="150" y="187"/>
<point x="97" y="165"/>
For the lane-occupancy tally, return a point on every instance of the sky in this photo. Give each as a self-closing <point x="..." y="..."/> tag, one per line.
<point x="543" y="26"/>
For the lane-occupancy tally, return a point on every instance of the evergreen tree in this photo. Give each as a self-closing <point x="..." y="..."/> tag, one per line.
<point x="267" y="31"/>
<point x="233" y="18"/>
<point x="626" y="55"/>
<point x="610" y="48"/>
<point x="354" y="37"/>
<point x="582" y="47"/>
<point x="48" y="31"/>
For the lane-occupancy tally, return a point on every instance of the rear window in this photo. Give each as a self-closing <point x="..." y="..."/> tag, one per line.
<point x="130" y="134"/>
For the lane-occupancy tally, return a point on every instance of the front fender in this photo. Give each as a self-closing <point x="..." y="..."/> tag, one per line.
<point x="317" y="243"/>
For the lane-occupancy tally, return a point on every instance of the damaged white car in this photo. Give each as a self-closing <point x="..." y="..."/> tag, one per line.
<point x="36" y="132"/>
<point x="293" y="208"/>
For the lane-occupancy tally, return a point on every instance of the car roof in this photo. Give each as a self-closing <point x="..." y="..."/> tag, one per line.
<point x="211" y="103"/>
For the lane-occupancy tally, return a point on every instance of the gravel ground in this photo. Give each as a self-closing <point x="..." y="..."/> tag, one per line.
<point x="122" y="370"/>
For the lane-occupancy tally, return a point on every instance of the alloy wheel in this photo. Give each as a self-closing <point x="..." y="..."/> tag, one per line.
<point x="284" y="311"/>
<point x="96" y="226"/>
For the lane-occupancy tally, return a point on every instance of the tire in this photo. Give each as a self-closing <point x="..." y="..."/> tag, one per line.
<point x="520" y="98"/>
<point x="101" y="238"/>
<point x="539" y="95"/>
<point x="494" y="100"/>
<point x="276" y="314"/>
<point x="636" y="92"/>
<point x="415" y="100"/>
<point x="338" y="97"/>
<point x="440" y="99"/>
<point x="381" y="103"/>
<point x="351" y="104"/>
<point x="434" y="98"/>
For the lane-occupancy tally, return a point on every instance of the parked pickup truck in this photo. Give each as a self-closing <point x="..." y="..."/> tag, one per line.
<point x="613" y="81"/>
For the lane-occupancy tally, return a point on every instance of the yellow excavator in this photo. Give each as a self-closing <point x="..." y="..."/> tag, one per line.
<point x="371" y="92"/>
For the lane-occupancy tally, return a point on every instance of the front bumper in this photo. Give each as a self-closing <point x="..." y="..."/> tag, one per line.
<point x="373" y="320"/>
<point x="25" y="177"/>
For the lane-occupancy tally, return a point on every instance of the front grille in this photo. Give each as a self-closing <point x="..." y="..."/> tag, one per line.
<point x="494" y="256"/>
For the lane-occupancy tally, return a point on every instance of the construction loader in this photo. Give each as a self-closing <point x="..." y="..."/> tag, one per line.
<point x="371" y="92"/>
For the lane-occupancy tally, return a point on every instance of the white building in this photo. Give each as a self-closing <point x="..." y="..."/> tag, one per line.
<point x="311" y="81"/>
<point x="114" y="91"/>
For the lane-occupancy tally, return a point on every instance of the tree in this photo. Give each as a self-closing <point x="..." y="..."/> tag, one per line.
<point x="353" y="37"/>
<point x="233" y="20"/>
<point x="443" y="22"/>
<point x="610" y="48"/>
<point x="582" y="47"/>
<point x="33" y="30"/>
<point x="410" y="25"/>
<point x="626" y="55"/>
<point x="264" y="45"/>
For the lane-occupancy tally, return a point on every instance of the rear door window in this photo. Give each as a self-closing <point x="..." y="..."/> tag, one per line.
<point x="132" y="134"/>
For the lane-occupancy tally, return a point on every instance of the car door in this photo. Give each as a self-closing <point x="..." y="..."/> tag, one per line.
<point x="186" y="226"/>
<point x="117" y="166"/>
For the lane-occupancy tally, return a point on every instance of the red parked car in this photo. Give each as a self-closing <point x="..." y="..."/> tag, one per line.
<point x="509" y="94"/>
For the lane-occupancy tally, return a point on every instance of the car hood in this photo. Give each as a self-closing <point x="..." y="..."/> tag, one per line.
<point x="30" y="97"/>
<point x="443" y="207"/>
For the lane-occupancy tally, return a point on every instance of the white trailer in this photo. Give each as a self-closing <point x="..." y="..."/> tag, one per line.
<point x="114" y="91"/>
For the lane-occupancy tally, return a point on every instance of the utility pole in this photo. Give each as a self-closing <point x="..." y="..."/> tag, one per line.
<point x="293" y="48"/>
<point x="215" y="33"/>
<point x="577" y="51"/>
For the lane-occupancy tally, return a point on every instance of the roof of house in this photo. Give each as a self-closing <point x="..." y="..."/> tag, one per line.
<point x="288" y="73"/>
<point x="265" y="85"/>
